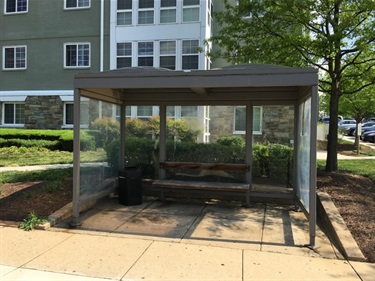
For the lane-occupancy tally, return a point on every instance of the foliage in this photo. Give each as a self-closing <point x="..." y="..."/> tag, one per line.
<point x="231" y="140"/>
<point x="48" y="144"/>
<point x="176" y="129"/>
<point x="337" y="37"/>
<point x="43" y="175"/>
<point x="32" y="134"/>
<point x="106" y="129"/>
<point x="31" y="222"/>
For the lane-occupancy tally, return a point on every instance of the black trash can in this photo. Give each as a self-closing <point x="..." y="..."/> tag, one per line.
<point x="130" y="186"/>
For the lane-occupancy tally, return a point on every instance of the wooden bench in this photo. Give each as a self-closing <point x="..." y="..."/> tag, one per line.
<point x="165" y="184"/>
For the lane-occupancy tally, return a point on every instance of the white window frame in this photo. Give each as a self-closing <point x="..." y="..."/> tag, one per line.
<point x="128" y="11"/>
<point x="15" y="58"/>
<point x="146" y="10"/>
<point x="77" y="61"/>
<point x="239" y="132"/>
<point x="146" y="55"/>
<point x="77" y="7"/>
<point x="168" y="53"/>
<point x="16" y="8"/>
<point x="169" y="9"/>
<point x="124" y="55"/>
<point x="14" y="124"/>
<point x="70" y="126"/>
<point x="186" y="6"/>
<point x="189" y="53"/>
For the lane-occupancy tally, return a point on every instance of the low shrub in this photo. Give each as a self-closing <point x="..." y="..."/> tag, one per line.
<point x="48" y="144"/>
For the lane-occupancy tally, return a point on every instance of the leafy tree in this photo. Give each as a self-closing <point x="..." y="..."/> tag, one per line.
<point x="333" y="35"/>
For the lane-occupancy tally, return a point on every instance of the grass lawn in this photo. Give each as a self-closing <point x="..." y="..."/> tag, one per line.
<point x="44" y="157"/>
<point x="363" y="167"/>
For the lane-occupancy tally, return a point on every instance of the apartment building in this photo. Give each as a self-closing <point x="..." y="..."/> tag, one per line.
<point x="45" y="43"/>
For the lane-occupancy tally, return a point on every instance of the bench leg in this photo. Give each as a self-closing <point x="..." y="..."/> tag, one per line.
<point x="162" y="196"/>
<point x="247" y="199"/>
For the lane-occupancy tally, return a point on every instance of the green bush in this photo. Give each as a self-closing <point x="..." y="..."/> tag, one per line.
<point x="231" y="141"/>
<point x="106" y="130"/>
<point x="48" y="144"/>
<point x="28" y="134"/>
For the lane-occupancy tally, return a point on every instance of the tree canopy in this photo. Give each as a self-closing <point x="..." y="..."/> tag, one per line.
<point x="335" y="36"/>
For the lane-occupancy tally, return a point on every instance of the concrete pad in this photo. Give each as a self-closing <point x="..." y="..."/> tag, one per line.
<point x="173" y="261"/>
<point x="212" y="229"/>
<point x="365" y="270"/>
<point x="96" y="256"/>
<point x="157" y="224"/>
<point x="236" y="212"/>
<point x="4" y="269"/>
<point x="19" y="246"/>
<point x="287" y="231"/>
<point x="30" y="274"/>
<point x="272" y="266"/>
<point x="176" y="207"/>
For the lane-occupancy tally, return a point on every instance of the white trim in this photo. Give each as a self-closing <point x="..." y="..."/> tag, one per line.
<point x="8" y="96"/>
<point x="16" y="13"/>
<point x="76" y="8"/>
<point x="14" y="68"/>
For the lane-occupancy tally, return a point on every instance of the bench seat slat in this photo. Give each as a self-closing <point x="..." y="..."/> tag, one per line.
<point x="199" y="185"/>
<point x="205" y="166"/>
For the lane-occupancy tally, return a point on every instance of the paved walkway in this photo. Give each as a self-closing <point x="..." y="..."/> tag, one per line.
<point x="176" y="241"/>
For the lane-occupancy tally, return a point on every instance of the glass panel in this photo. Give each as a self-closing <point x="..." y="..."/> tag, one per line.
<point x="83" y="55"/>
<point x="11" y="6"/>
<point x="20" y="57"/>
<point x="99" y="145"/>
<point x="9" y="113"/>
<point x="190" y="46"/>
<point x="171" y="111"/>
<point x="69" y="114"/>
<point x="189" y="111"/>
<point x="144" y="111"/>
<point x="146" y="4"/>
<point x="190" y="14"/>
<point x="21" y="5"/>
<point x="145" y="48"/>
<point x="168" y="3"/>
<point x="124" y="4"/>
<point x="124" y="62"/>
<point x="190" y="62"/>
<point x="168" y="16"/>
<point x="240" y="119"/>
<point x="146" y="17"/>
<point x="9" y="58"/>
<point x="303" y="165"/>
<point x="145" y="61"/>
<point x="20" y="113"/>
<point x="191" y="2"/>
<point x="71" y="3"/>
<point x="71" y="55"/>
<point x="124" y="18"/>
<point x="167" y="47"/>
<point x="124" y="49"/>
<point x="168" y="62"/>
<point x="83" y="3"/>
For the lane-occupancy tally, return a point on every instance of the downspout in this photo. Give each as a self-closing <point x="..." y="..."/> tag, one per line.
<point x="101" y="35"/>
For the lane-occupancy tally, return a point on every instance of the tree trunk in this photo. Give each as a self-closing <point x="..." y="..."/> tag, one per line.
<point x="331" y="163"/>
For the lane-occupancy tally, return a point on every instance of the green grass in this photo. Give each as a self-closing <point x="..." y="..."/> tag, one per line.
<point x="363" y="167"/>
<point x="26" y="157"/>
<point x="52" y="175"/>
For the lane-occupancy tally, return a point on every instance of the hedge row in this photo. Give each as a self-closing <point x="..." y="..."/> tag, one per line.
<point x="50" y="139"/>
<point x="269" y="160"/>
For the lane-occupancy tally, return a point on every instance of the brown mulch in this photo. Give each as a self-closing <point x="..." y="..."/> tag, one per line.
<point x="354" y="197"/>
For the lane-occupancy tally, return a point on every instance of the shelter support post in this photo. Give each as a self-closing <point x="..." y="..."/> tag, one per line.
<point x="249" y="148"/>
<point x="76" y="159"/>
<point x="313" y="135"/>
<point x="122" y="137"/>
<point x="162" y="143"/>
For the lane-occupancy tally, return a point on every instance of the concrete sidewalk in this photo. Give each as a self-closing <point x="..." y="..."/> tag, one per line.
<point x="176" y="240"/>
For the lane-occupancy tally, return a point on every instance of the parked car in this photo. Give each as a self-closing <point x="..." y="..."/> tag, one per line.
<point x="369" y="136"/>
<point x="367" y="129"/>
<point x="346" y="123"/>
<point x="350" y="131"/>
<point x="325" y="120"/>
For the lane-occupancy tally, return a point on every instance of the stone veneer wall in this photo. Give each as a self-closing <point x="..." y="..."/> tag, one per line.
<point x="277" y="126"/>
<point x="44" y="112"/>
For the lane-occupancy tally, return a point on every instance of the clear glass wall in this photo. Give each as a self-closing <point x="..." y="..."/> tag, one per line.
<point x="99" y="148"/>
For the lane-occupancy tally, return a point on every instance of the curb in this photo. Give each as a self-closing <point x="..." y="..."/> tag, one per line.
<point x="336" y="226"/>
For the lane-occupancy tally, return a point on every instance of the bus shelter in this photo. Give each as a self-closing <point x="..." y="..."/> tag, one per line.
<point x="111" y="93"/>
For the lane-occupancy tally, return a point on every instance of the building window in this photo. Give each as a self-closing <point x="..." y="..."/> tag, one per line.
<point x="190" y="10"/>
<point x="124" y="12"/>
<point x="189" y="111"/>
<point x="77" y="55"/>
<point x="144" y="112"/>
<point x="69" y="114"/>
<point x="145" y="53"/>
<point x="146" y="12"/>
<point x="240" y="120"/>
<point x="14" y="113"/>
<point x="168" y="54"/>
<point x="14" y="57"/>
<point x="168" y="11"/>
<point x="15" y="6"/>
<point x="190" y="54"/>
<point x="77" y="4"/>
<point x="124" y="55"/>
